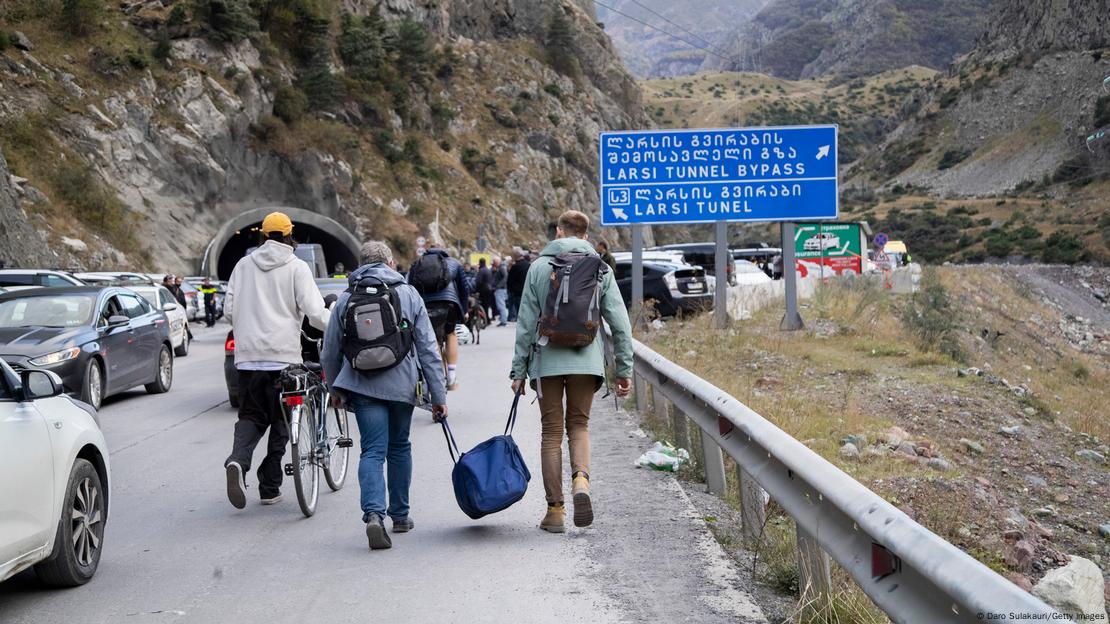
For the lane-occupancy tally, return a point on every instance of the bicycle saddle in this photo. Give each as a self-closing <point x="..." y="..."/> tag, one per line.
<point x="314" y="367"/>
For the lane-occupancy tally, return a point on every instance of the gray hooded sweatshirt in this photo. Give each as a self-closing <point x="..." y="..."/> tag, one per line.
<point x="269" y="294"/>
<point x="400" y="382"/>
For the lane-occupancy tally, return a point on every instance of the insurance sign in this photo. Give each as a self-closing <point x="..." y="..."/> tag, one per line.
<point x="829" y="248"/>
<point x="735" y="174"/>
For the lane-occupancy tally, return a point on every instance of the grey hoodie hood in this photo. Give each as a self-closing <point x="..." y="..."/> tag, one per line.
<point x="377" y="270"/>
<point x="271" y="255"/>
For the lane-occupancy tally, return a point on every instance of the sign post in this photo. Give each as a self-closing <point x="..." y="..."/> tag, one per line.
<point x="720" y="266"/>
<point x="660" y="177"/>
<point x="637" y="276"/>
<point x="792" y="321"/>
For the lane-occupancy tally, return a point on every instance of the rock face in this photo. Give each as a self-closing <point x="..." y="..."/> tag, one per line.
<point x="20" y="244"/>
<point x="1075" y="589"/>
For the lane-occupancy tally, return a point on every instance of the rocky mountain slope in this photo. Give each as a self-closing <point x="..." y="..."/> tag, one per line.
<point x="694" y="24"/>
<point x="142" y="127"/>
<point x="803" y="39"/>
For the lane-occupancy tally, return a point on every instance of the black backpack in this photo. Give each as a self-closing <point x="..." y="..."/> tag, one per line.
<point x="376" y="335"/>
<point x="430" y="274"/>
<point x="572" y="312"/>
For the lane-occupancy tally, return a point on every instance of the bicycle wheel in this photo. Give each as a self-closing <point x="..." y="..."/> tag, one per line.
<point x="306" y="473"/>
<point x="335" y="463"/>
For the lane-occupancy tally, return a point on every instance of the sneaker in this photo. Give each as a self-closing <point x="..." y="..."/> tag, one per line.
<point x="583" y="507"/>
<point x="403" y="525"/>
<point x="272" y="501"/>
<point x="375" y="533"/>
<point x="236" y="486"/>
<point x="502" y="324"/>
<point x="555" y="519"/>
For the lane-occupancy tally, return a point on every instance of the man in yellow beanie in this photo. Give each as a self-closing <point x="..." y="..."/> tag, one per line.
<point x="270" y="293"/>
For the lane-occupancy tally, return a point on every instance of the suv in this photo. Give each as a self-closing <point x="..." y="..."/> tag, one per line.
<point x="676" y="288"/>
<point x="705" y="256"/>
<point x="16" y="279"/>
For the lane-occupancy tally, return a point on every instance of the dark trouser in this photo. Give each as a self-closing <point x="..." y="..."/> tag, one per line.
<point x="210" y="314"/>
<point x="259" y="408"/>
<point x="514" y="306"/>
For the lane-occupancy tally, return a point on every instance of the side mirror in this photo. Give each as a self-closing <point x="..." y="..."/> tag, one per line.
<point x="40" y="384"/>
<point x="169" y="307"/>
<point x="118" y="320"/>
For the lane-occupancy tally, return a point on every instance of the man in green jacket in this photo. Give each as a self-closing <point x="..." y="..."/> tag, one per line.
<point x="576" y="373"/>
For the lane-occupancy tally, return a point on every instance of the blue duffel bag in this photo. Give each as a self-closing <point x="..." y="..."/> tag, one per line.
<point x="491" y="476"/>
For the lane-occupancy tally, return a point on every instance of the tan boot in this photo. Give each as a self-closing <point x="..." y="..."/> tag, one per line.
<point x="583" y="507"/>
<point x="555" y="519"/>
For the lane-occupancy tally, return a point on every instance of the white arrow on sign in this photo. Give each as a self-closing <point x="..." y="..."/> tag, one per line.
<point x="823" y="151"/>
<point x="619" y="213"/>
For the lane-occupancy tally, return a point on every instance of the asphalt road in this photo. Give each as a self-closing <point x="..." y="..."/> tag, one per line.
<point x="177" y="551"/>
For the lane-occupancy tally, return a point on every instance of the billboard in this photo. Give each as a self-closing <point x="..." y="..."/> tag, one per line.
<point x="829" y="248"/>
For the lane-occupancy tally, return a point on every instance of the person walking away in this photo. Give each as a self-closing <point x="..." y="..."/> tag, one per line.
<point x="382" y="394"/>
<point x="269" y="293"/>
<point x="518" y="273"/>
<point x="440" y="281"/>
<point x="209" y="291"/>
<point x="547" y="325"/>
<point x="501" y="291"/>
<point x="484" y="285"/>
<point x="603" y="251"/>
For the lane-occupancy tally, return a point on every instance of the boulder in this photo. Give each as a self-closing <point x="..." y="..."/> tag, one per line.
<point x="1076" y="589"/>
<point x="1019" y="555"/>
<point x="939" y="464"/>
<point x="972" y="446"/>
<point x="849" y="451"/>
<point x="1020" y="580"/>
<point x="21" y="42"/>
<point x="1090" y="455"/>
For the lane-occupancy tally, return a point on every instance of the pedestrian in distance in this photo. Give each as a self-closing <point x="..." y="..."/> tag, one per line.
<point x="603" y="251"/>
<point x="268" y="295"/>
<point x="209" y="290"/>
<point x="518" y="273"/>
<point x="484" y="285"/>
<point x="340" y="271"/>
<point x="441" y="283"/>
<point x="500" y="291"/>
<point x="559" y="347"/>
<point x="383" y="397"/>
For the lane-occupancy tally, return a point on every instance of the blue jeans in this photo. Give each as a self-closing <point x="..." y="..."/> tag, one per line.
<point x="383" y="428"/>
<point x="500" y="296"/>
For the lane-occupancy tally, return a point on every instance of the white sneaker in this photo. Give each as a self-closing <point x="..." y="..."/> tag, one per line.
<point x="272" y="501"/>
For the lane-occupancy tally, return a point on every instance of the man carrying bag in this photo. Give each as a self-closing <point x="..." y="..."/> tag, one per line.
<point x="380" y="358"/>
<point x="567" y="292"/>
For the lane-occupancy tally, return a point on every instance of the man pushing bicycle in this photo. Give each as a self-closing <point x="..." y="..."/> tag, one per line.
<point x="269" y="294"/>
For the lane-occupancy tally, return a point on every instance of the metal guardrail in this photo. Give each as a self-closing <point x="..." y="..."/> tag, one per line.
<point x="908" y="571"/>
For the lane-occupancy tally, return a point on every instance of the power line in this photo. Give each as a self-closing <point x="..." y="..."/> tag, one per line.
<point x="677" y="25"/>
<point x="665" y="32"/>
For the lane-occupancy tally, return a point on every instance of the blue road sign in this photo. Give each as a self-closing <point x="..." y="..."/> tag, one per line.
<point x="881" y="240"/>
<point x="732" y="174"/>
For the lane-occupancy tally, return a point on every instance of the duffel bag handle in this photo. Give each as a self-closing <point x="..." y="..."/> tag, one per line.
<point x="452" y="446"/>
<point x="512" y="412"/>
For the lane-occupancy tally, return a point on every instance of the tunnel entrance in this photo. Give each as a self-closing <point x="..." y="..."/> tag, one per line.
<point x="241" y="233"/>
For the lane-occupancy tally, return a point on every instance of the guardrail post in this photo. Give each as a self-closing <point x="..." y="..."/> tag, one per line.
<point x="639" y="389"/>
<point x="753" y="512"/>
<point x="714" y="465"/>
<point x="679" y="425"/>
<point x="814" y="570"/>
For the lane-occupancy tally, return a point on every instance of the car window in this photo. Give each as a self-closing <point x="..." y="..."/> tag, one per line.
<point x="45" y="311"/>
<point x="111" y="307"/>
<point x="166" y="297"/>
<point x="54" y="281"/>
<point x="133" y="306"/>
<point x="623" y="271"/>
<point x="17" y="279"/>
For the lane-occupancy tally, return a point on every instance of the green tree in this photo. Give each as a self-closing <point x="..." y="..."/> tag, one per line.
<point x="315" y="78"/>
<point x="361" y="46"/>
<point x="561" y="48"/>
<point x="413" y="51"/>
<point x="229" y="20"/>
<point x="79" y="16"/>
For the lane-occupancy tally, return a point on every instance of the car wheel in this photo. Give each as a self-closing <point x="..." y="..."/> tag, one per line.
<point x="92" y="389"/>
<point x="163" y="379"/>
<point x="183" y="349"/>
<point x="80" y="536"/>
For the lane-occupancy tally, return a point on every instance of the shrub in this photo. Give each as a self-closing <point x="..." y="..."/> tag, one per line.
<point x="92" y="203"/>
<point x="952" y="157"/>
<point x="479" y="165"/>
<point x="553" y="89"/>
<point x="361" y="45"/>
<point x="137" y="58"/>
<point x="999" y="245"/>
<point x="162" y="49"/>
<point x="290" y="104"/>
<point x="1063" y="248"/>
<point x="5" y="40"/>
<point x="931" y="317"/>
<point x="560" y="45"/>
<point x="229" y="20"/>
<point x="178" y="16"/>
<point x="385" y="143"/>
<point x="79" y="16"/>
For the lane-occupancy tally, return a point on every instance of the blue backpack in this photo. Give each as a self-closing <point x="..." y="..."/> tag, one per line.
<point x="491" y="476"/>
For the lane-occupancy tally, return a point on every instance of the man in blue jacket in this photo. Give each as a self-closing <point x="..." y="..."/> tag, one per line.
<point x="383" y="401"/>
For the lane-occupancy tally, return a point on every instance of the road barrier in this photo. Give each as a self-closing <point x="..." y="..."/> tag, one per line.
<point x="908" y="571"/>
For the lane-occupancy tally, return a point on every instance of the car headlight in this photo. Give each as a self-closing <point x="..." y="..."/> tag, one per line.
<point x="55" y="358"/>
<point x="670" y="281"/>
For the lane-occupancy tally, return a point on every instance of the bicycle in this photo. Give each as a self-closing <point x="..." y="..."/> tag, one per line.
<point x="318" y="431"/>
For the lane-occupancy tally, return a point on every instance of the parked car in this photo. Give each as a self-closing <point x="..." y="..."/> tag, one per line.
<point x="162" y="299"/>
<point x="312" y="254"/>
<point x="100" y="341"/>
<point x="113" y="278"/>
<point x="676" y="288"/>
<point x="16" y="279"/>
<point x="703" y="255"/>
<point x="53" y="515"/>
<point x="748" y="274"/>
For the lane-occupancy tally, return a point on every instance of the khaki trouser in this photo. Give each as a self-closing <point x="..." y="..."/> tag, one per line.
<point x="579" y="392"/>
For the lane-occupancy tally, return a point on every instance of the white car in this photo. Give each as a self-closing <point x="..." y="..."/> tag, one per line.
<point x="822" y="241"/>
<point x="748" y="274"/>
<point x="55" y="491"/>
<point x="18" y="279"/>
<point x="160" y="298"/>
